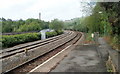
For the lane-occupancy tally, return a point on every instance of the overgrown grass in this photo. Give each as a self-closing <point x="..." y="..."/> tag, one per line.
<point x="113" y="41"/>
<point x="88" y="38"/>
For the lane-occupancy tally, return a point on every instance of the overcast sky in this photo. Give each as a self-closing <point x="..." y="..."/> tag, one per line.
<point x="50" y="9"/>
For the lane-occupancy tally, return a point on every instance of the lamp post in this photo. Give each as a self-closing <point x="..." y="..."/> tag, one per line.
<point x="99" y="13"/>
<point x="104" y="24"/>
<point x="96" y="34"/>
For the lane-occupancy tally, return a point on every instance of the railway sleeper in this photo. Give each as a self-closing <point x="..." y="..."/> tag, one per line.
<point x="21" y="58"/>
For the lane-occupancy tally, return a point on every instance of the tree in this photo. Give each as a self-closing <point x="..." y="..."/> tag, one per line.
<point x="56" y="25"/>
<point x="113" y="15"/>
<point x="23" y="25"/>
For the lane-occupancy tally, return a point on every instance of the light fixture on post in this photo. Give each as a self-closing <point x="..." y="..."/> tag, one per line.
<point x="100" y="12"/>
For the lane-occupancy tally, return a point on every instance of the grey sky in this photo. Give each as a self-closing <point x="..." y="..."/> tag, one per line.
<point x="50" y="9"/>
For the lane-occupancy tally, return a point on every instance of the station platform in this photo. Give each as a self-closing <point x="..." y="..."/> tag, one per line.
<point x="84" y="58"/>
<point x="89" y="58"/>
<point x="79" y="57"/>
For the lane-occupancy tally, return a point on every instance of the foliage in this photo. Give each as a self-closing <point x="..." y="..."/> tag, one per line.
<point x="59" y="32"/>
<point x="31" y="27"/>
<point x="113" y="29"/>
<point x="105" y="20"/>
<point x="51" y="34"/>
<point x="11" y="40"/>
<point x="113" y="16"/>
<point x="56" y="25"/>
<point x="23" y="25"/>
<point x="76" y="24"/>
<point x="88" y="37"/>
<point x="54" y="33"/>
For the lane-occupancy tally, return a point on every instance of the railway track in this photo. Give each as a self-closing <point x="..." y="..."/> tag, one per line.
<point x="22" y="58"/>
<point x="12" y="51"/>
<point x="30" y="43"/>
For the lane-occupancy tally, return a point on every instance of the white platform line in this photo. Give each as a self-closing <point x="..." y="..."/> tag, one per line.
<point x="49" y="59"/>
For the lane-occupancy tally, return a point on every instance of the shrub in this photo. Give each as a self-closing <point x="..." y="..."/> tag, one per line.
<point x="51" y="34"/>
<point x="11" y="40"/>
<point x="59" y="32"/>
<point x="54" y="33"/>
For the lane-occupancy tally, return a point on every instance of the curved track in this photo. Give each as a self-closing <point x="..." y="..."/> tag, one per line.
<point x="19" y="49"/>
<point x="16" y="57"/>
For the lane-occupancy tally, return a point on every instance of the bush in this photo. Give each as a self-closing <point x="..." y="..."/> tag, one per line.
<point x="54" y="33"/>
<point x="11" y="40"/>
<point x="115" y="42"/>
<point x="51" y="34"/>
<point x="59" y="32"/>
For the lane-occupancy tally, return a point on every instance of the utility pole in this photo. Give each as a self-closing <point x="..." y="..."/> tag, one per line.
<point x="39" y="16"/>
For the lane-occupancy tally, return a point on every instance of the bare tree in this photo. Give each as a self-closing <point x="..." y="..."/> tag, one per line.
<point x="86" y="8"/>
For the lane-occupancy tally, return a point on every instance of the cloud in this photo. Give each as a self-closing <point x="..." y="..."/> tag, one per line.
<point x="50" y="9"/>
<point x="57" y="9"/>
<point x="9" y="3"/>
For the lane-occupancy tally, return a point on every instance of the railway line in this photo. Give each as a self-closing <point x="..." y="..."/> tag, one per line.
<point x="30" y="43"/>
<point x="16" y="59"/>
<point x="14" y="50"/>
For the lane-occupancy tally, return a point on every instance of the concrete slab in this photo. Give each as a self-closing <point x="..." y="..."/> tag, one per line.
<point x="84" y="58"/>
<point x="106" y="50"/>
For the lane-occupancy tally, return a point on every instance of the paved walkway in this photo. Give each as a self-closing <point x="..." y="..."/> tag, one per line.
<point x="84" y="58"/>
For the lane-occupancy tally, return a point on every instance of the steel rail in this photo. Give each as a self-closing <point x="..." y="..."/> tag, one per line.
<point x="31" y="46"/>
<point x="69" y="37"/>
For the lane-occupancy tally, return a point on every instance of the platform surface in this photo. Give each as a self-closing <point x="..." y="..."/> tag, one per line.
<point x="84" y="58"/>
